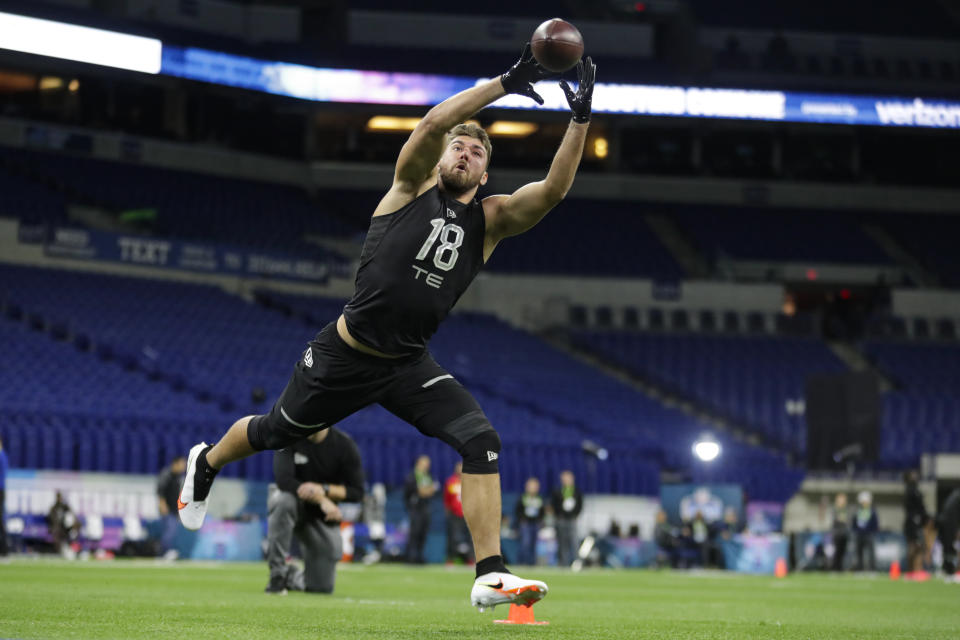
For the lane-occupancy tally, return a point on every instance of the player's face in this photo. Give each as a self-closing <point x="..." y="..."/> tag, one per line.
<point x="463" y="165"/>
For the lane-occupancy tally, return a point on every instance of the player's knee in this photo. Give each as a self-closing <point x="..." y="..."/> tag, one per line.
<point x="264" y="433"/>
<point x="481" y="454"/>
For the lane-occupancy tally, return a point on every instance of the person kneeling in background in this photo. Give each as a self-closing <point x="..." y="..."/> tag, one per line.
<point x="312" y="476"/>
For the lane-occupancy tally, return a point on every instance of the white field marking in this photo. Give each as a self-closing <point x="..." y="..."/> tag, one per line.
<point x="380" y="603"/>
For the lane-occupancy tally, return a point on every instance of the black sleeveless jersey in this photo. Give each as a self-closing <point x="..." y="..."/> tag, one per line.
<point x="415" y="265"/>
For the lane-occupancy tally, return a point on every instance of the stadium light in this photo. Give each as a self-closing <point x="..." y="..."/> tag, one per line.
<point x="81" y="44"/>
<point x="706" y="448"/>
<point x="391" y="123"/>
<point x="511" y="129"/>
<point x="592" y="448"/>
<point x="600" y="147"/>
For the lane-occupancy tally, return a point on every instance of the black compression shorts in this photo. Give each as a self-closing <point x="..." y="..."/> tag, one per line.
<point x="332" y="380"/>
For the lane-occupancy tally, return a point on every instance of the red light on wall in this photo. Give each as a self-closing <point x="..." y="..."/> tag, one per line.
<point x="640" y="7"/>
<point x="845" y="294"/>
<point x="812" y="274"/>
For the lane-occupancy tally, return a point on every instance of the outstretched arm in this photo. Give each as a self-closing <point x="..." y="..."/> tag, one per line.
<point x="510" y="215"/>
<point x="417" y="162"/>
<point x="419" y="155"/>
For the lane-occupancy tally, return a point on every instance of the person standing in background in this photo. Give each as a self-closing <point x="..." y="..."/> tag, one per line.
<point x="168" y="495"/>
<point x="458" y="536"/>
<point x="64" y="527"/>
<point x="529" y="518"/>
<point x="700" y="532"/>
<point x="840" y="530"/>
<point x="915" y="520"/>
<point x="864" y="526"/>
<point x="567" y="503"/>
<point x="4" y="465"/>
<point x="418" y="490"/>
<point x="375" y="515"/>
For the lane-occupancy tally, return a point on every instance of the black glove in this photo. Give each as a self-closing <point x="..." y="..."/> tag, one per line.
<point x="580" y="102"/>
<point x="520" y="77"/>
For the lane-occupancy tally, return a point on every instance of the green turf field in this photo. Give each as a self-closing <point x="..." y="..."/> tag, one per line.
<point x="136" y="599"/>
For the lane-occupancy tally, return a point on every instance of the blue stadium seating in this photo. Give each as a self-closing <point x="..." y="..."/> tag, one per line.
<point x="931" y="239"/>
<point x="590" y="238"/>
<point x="779" y="235"/>
<point x="29" y="200"/>
<point x="923" y="415"/>
<point x="748" y="379"/>
<point x="189" y="205"/>
<point x="167" y="364"/>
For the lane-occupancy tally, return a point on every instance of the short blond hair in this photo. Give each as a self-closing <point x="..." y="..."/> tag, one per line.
<point x="474" y="131"/>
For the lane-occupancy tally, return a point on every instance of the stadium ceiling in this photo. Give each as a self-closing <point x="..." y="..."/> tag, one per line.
<point x="148" y="55"/>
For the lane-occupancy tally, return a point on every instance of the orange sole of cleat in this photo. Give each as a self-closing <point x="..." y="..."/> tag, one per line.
<point x="528" y="596"/>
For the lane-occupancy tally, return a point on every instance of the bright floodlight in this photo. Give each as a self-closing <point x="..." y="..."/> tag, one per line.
<point x="83" y="44"/>
<point x="706" y="449"/>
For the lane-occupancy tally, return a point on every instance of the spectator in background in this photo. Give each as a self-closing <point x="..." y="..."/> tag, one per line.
<point x="700" y="533"/>
<point x="723" y="531"/>
<point x="840" y="530"/>
<point x="4" y="464"/>
<point x="459" y="545"/>
<point x="375" y="515"/>
<point x="665" y="538"/>
<point x="915" y="520"/>
<point x="529" y="519"/>
<point x="312" y="476"/>
<point x="567" y="503"/>
<point x="64" y="526"/>
<point x="864" y="526"/>
<point x="168" y="495"/>
<point x="419" y="488"/>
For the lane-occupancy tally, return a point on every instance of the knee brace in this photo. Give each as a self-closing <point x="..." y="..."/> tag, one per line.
<point x="481" y="454"/>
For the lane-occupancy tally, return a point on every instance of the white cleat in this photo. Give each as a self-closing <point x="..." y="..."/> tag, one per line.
<point x="192" y="512"/>
<point x="492" y="589"/>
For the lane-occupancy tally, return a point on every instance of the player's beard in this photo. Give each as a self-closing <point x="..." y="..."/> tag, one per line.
<point x="457" y="183"/>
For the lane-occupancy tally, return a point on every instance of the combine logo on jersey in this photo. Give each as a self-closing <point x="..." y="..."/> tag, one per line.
<point x="451" y="213"/>
<point x="308" y="357"/>
<point x="299" y="458"/>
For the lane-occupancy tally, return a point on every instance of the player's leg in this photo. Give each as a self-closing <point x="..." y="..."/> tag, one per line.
<point x="434" y="402"/>
<point x="322" y="390"/>
<point x="322" y="549"/>
<point x="480" y="493"/>
<point x="234" y="445"/>
<point x="282" y="510"/>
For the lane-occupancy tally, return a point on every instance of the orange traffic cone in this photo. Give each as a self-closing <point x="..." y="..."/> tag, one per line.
<point x="895" y="570"/>
<point x="521" y="614"/>
<point x="780" y="568"/>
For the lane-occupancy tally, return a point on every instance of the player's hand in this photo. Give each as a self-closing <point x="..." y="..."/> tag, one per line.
<point x="581" y="102"/>
<point x="311" y="492"/>
<point x="521" y="76"/>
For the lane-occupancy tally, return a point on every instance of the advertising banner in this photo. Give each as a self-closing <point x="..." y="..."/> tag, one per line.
<point x="682" y="502"/>
<point x="85" y="244"/>
<point x="377" y="87"/>
<point x="748" y="553"/>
